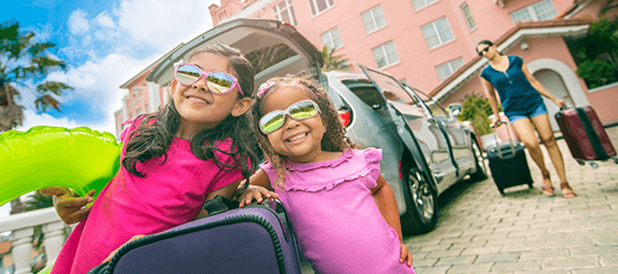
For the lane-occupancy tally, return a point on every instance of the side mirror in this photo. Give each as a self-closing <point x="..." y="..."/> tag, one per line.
<point x="454" y="109"/>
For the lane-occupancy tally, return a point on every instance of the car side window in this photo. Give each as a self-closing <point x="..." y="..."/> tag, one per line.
<point x="365" y="91"/>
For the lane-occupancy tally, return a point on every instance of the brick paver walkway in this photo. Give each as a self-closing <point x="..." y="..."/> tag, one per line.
<point x="480" y="231"/>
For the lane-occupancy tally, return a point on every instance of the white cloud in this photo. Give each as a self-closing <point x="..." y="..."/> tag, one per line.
<point x="44" y="119"/>
<point x="78" y="23"/>
<point x="105" y="21"/>
<point x="166" y="23"/>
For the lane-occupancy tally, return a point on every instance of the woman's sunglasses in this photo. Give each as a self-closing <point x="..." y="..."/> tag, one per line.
<point x="217" y="82"/>
<point x="486" y="49"/>
<point x="298" y="111"/>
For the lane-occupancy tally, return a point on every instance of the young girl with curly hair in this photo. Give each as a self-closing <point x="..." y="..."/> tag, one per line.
<point x="342" y="210"/>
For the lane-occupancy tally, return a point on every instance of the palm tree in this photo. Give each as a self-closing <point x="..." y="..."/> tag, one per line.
<point x="332" y="61"/>
<point x="24" y="60"/>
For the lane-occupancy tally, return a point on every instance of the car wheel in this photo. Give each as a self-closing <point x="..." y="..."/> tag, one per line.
<point x="481" y="169"/>
<point x="421" y="203"/>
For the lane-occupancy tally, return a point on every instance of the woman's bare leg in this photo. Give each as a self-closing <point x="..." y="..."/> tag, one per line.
<point x="525" y="131"/>
<point x="543" y="127"/>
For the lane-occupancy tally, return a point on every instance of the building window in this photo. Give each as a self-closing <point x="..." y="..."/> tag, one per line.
<point x="139" y="111"/>
<point x="445" y="70"/>
<point x="419" y="4"/>
<point x="284" y="11"/>
<point x="465" y="9"/>
<point x="332" y="39"/>
<point x="437" y="33"/>
<point x="539" y="11"/>
<point x="222" y="16"/>
<point x="385" y="54"/>
<point x="374" y="19"/>
<point x="318" y="6"/>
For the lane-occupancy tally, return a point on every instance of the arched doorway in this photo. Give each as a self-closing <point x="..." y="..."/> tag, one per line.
<point x="554" y="84"/>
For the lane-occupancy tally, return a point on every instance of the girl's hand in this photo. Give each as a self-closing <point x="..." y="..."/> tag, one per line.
<point x="255" y="192"/>
<point x="560" y="102"/>
<point x="70" y="209"/>
<point x="496" y="122"/>
<point x="405" y="255"/>
<point x="111" y="255"/>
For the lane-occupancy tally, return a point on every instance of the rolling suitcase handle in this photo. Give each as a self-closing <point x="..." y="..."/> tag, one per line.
<point x="508" y="132"/>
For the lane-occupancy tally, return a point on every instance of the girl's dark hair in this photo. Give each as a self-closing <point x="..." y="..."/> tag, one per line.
<point x="334" y="138"/>
<point x="156" y="130"/>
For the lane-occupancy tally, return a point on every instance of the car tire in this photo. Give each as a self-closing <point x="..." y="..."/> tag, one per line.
<point x="480" y="167"/>
<point x="421" y="202"/>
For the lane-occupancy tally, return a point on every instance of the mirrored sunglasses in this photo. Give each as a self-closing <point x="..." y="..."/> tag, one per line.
<point x="217" y="82"/>
<point x="298" y="111"/>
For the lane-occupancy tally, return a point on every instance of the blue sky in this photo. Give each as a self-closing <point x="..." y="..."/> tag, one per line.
<point x="105" y="43"/>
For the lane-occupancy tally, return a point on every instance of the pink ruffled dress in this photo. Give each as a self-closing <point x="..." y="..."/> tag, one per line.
<point x="339" y="227"/>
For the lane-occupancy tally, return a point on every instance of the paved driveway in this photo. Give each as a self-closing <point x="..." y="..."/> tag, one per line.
<point x="480" y="231"/>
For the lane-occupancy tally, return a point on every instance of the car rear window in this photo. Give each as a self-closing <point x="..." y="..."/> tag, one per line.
<point x="263" y="58"/>
<point x="364" y="90"/>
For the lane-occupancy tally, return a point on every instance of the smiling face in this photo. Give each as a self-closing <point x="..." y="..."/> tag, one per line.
<point x="200" y="109"/>
<point x="299" y="140"/>
<point x="489" y="54"/>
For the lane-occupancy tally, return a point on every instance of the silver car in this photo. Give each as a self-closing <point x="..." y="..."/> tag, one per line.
<point x="425" y="149"/>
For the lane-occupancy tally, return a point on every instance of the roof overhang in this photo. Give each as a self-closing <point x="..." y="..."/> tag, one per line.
<point x="455" y="81"/>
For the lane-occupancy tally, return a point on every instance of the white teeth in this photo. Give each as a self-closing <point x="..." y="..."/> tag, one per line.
<point x="297" y="137"/>
<point x="196" y="99"/>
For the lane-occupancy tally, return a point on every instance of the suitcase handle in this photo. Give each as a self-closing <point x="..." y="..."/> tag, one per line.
<point x="508" y="132"/>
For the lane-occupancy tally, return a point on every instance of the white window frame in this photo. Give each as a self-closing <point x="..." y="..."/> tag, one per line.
<point x="331" y="38"/>
<point x="435" y="29"/>
<point x="373" y="19"/>
<point x="383" y="49"/>
<point x="312" y="3"/>
<point x="425" y="4"/>
<point x="468" y="17"/>
<point x="222" y="16"/>
<point x="532" y="13"/>
<point x="289" y="8"/>
<point x="451" y="67"/>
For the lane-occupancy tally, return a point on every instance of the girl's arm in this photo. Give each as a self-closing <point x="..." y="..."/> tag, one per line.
<point x="493" y="101"/>
<point x="385" y="200"/>
<point x="259" y="187"/>
<point x="226" y="191"/>
<point x="540" y="88"/>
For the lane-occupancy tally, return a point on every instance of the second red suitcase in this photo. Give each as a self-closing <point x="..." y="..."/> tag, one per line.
<point x="585" y="135"/>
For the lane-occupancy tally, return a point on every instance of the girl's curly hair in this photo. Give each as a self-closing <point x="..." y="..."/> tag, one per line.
<point x="156" y="130"/>
<point x="334" y="139"/>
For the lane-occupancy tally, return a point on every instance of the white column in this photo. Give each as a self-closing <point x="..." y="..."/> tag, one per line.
<point x="54" y="239"/>
<point x="22" y="247"/>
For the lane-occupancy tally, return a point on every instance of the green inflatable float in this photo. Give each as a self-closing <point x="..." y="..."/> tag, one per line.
<point x="81" y="159"/>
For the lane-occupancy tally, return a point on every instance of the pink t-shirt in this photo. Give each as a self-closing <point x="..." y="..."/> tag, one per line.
<point x="169" y="195"/>
<point x="339" y="227"/>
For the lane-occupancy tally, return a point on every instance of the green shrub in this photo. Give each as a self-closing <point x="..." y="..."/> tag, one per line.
<point x="476" y="108"/>
<point x="597" y="73"/>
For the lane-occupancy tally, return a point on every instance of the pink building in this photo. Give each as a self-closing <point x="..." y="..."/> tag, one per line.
<point x="430" y="43"/>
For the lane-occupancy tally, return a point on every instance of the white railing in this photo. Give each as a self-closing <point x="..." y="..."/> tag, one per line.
<point x="22" y="227"/>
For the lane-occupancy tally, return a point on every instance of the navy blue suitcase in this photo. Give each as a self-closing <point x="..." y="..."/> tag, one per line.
<point x="252" y="239"/>
<point x="508" y="165"/>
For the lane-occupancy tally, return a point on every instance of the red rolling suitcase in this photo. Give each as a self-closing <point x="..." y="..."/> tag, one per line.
<point x="585" y="135"/>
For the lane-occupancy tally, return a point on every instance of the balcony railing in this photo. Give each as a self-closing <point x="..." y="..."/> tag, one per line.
<point x="22" y="227"/>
